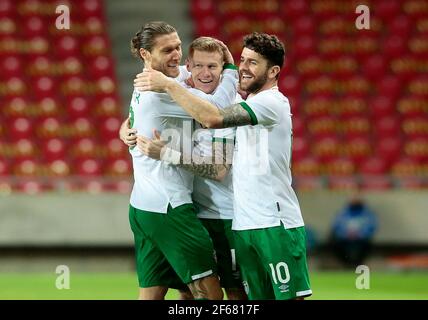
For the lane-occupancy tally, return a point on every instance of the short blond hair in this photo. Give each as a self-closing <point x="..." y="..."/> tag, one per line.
<point x="205" y="44"/>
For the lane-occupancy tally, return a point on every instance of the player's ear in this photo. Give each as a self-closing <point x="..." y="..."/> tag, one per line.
<point x="145" y="54"/>
<point x="188" y="64"/>
<point x="274" y="71"/>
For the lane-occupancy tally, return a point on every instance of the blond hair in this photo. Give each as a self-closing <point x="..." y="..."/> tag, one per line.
<point x="205" y="44"/>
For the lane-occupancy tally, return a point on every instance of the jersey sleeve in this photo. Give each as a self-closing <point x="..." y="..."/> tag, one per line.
<point x="262" y="109"/>
<point x="167" y="107"/>
<point x="184" y="74"/>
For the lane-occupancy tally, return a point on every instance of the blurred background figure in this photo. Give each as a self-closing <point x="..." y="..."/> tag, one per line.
<point x="352" y="232"/>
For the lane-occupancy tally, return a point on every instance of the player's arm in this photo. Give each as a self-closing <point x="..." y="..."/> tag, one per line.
<point x="202" y="111"/>
<point x="216" y="170"/>
<point x="217" y="167"/>
<point x="127" y="134"/>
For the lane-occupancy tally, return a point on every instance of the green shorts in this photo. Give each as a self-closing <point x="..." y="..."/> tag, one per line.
<point x="221" y="234"/>
<point x="171" y="249"/>
<point x="273" y="262"/>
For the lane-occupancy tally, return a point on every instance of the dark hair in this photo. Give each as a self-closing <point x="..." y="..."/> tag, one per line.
<point x="269" y="46"/>
<point x="145" y="38"/>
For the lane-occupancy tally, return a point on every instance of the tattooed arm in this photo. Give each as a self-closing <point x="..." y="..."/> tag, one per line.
<point x="219" y="165"/>
<point x="206" y="113"/>
<point x="215" y="167"/>
<point x="201" y="110"/>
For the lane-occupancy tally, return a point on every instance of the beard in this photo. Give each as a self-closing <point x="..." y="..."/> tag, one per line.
<point x="257" y="84"/>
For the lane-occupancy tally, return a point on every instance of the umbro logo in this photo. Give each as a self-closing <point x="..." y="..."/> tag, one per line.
<point x="283" y="288"/>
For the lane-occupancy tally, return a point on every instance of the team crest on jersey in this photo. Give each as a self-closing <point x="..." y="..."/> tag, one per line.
<point x="283" y="288"/>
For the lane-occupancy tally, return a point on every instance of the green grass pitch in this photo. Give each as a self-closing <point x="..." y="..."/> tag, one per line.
<point x="117" y="286"/>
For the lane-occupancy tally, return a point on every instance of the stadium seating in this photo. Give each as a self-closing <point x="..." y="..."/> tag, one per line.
<point x="59" y="103"/>
<point x="358" y="97"/>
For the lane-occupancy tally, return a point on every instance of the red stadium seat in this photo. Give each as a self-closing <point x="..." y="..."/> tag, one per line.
<point x="387" y="126"/>
<point x="49" y="127"/>
<point x="375" y="67"/>
<point x="94" y="25"/>
<point x="304" y="46"/>
<point x="300" y="148"/>
<point x="115" y="148"/>
<point x="308" y="166"/>
<point x="43" y="87"/>
<point x="374" y="166"/>
<point x="291" y="85"/>
<point x="100" y="66"/>
<point x="4" y="168"/>
<point x="33" y="26"/>
<point x="47" y="106"/>
<point x="118" y="167"/>
<point x="58" y="168"/>
<point x="295" y="9"/>
<point x="386" y="9"/>
<point x="15" y="107"/>
<point x="70" y="66"/>
<point x="389" y="86"/>
<point x="10" y="66"/>
<point x="401" y="26"/>
<point x="340" y="166"/>
<point x="88" y="167"/>
<point x="394" y="46"/>
<point x="54" y="149"/>
<point x="40" y="65"/>
<point x="66" y="46"/>
<point x="81" y="127"/>
<point x="24" y="149"/>
<point x="304" y="25"/>
<point x="78" y="106"/>
<point x="26" y="167"/>
<point x="109" y="128"/>
<point x="84" y="148"/>
<point x="20" y="128"/>
<point x="323" y="126"/>
<point x="95" y="45"/>
<point x="202" y="8"/>
<point x="389" y="148"/>
<point x="326" y="148"/>
<point x="381" y="106"/>
<point x="6" y="8"/>
<point x="417" y="148"/>
<point x="90" y="8"/>
<point x="358" y="148"/>
<point x="208" y="26"/>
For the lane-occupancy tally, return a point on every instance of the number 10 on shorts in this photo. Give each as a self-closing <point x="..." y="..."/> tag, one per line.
<point x="280" y="272"/>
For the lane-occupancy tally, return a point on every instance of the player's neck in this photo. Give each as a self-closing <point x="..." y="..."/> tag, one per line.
<point x="267" y="86"/>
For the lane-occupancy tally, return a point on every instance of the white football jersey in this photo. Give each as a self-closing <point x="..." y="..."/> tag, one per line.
<point x="157" y="183"/>
<point x="262" y="179"/>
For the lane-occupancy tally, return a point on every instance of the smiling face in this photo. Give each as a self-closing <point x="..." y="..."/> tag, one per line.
<point x="206" y="68"/>
<point x="253" y="71"/>
<point x="166" y="54"/>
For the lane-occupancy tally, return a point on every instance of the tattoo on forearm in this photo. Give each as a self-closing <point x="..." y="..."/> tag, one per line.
<point x="210" y="171"/>
<point x="235" y="116"/>
<point x="216" y="168"/>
